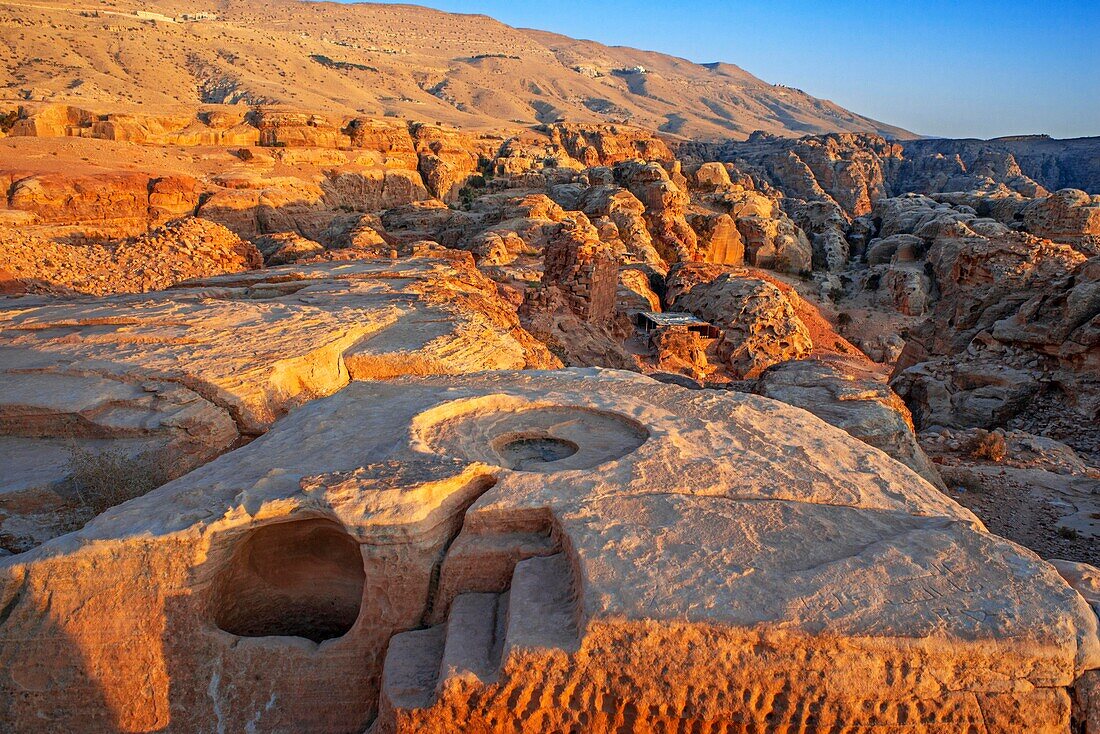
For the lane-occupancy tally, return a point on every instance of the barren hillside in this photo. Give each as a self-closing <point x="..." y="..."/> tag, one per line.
<point x="380" y="60"/>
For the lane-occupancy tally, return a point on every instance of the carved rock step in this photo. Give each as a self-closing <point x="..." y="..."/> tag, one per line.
<point x="411" y="669"/>
<point x="538" y="612"/>
<point x="475" y="636"/>
<point x="541" y="609"/>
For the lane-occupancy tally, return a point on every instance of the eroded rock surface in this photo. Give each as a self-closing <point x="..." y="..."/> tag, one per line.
<point x="184" y="372"/>
<point x="758" y="323"/>
<point x="671" y="557"/>
<point x="854" y="398"/>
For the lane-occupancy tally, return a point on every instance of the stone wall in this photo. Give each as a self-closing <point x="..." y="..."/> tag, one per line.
<point x="585" y="270"/>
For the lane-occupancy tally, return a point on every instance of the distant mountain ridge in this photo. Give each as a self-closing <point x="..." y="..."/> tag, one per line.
<point x="383" y="60"/>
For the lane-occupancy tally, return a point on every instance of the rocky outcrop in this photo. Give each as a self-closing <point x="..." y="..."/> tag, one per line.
<point x="286" y="247"/>
<point x="854" y="170"/>
<point x="261" y="588"/>
<point x="287" y="129"/>
<point x="105" y="205"/>
<point x="1009" y="340"/>
<point x="849" y="170"/>
<point x="1051" y="164"/>
<point x="371" y="189"/>
<point x="719" y="239"/>
<point x="635" y="292"/>
<point x="186" y="249"/>
<point x="665" y="208"/>
<point x="627" y="213"/>
<point x="1069" y="216"/>
<point x="447" y="160"/>
<point x="606" y="145"/>
<point x="775" y="243"/>
<point x="251" y="204"/>
<point x="219" y="127"/>
<point x="758" y="325"/>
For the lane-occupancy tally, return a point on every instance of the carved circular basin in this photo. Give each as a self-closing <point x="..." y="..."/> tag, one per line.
<point x="516" y="435"/>
<point x="525" y="451"/>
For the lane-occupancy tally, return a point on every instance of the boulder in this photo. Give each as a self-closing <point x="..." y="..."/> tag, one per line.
<point x="775" y="244"/>
<point x="286" y="247"/>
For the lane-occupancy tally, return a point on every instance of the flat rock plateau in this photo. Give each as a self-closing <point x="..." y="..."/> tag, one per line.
<point x="368" y="369"/>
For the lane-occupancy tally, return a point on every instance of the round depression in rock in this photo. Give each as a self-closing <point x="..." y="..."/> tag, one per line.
<point x="534" y="439"/>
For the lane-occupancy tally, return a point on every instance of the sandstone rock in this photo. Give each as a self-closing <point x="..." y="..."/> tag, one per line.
<point x="185" y="249"/>
<point x="1010" y="341"/>
<point x="719" y="239"/>
<point x="1082" y="577"/>
<point x="496" y="248"/>
<point x="605" y="145"/>
<point x="109" y="374"/>
<point x="849" y="396"/>
<point x="759" y="326"/>
<point x="388" y="138"/>
<point x="680" y="351"/>
<point x="710" y="177"/>
<point x="262" y="342"/>
<point x="628" y="214"/>
<point x="854" y="171"/>
<point x="115" y="204"/>
<point x="826" y="225"/>
<point x="172" y="197"/>
<point x="286" y="247"/>
<point x="298" y="129"/>
<point x="447" y="161"/>
<point x="50" y="411"/>
<point x="665" y="208"/>
<point x="55" y="120"/>
<point x="706" y="527"/>
<point x="360" y="232"/>
<point x="251" y="204"/>
<point x="635" y="292"/>
<point x="896" y="248"/>
<point x="776" y="244"/>
<point x="362" y="189"/>
<point x="905" y="289"/>
<point x="1068" y="216"/>
<point x="430" y="219"/>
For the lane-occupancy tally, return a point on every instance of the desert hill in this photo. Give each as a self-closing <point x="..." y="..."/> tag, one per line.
<point x="381" y="61"/>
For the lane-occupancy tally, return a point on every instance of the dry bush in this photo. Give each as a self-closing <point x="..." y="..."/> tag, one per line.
<point x="988" y="446"/>
<point x="107" y="478"/>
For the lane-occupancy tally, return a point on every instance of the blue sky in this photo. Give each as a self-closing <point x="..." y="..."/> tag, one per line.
<point x="953" y="69"/>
